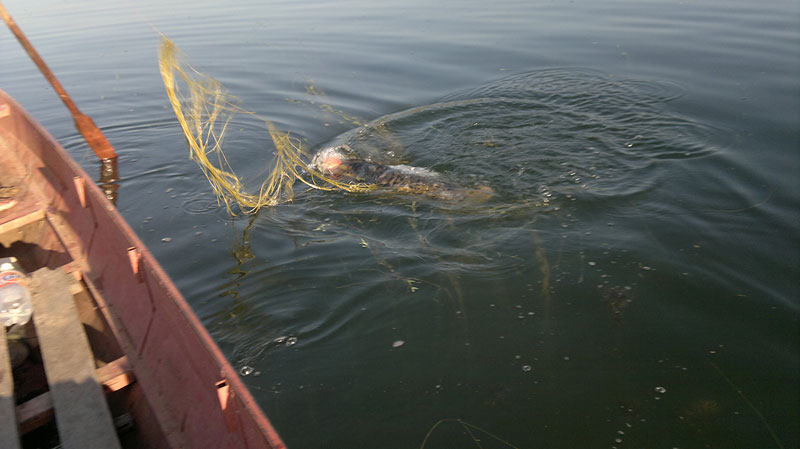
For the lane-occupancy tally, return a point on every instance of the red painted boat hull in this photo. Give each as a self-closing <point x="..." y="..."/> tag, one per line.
<point x="196" y="398"/>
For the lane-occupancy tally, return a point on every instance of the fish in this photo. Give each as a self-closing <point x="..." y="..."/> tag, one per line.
<point x="341" y="163"/>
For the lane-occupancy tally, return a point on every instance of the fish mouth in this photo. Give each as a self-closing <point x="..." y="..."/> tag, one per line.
<point x="328" y="159"/>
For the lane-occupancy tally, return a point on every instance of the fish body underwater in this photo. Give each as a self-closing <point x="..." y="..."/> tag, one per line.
<point x="342" y="164"/>
<point x="204" y="110"/>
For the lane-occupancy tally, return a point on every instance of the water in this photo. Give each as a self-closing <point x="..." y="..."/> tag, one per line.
<point x="633" y="282"/>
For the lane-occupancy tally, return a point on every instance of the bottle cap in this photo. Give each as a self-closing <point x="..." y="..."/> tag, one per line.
<point x="7" y="263"/>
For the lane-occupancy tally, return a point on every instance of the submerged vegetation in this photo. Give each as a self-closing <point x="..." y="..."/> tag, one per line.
<point x="204" y="110"/>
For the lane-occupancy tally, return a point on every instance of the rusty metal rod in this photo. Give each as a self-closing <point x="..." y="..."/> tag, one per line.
<point x="94" y="137"/>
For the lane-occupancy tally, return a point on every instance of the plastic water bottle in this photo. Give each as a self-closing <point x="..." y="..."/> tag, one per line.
<point x="15" y="298"/>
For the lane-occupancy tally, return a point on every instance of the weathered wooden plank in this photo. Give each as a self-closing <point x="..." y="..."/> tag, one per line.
<point x="38" y="411"/>
<point x="23" y="214"/>
<point x="82" y="415"/>
<point x="9" y="437"/>
<point x="116" y="375"/>
<point x="35" y="413"/>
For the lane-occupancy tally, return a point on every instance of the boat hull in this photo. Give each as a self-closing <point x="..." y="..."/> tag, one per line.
<point x="188" y="394"/>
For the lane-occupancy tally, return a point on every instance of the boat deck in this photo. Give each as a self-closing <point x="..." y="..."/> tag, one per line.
<point x="63" y="378"/>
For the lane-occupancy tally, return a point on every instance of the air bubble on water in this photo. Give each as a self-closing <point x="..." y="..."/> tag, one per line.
<point x="398" y="343"/>
<point x="592" y="264"/>
<point x="291" y="341"/>
<point x="166" y="239"/>
<point x="517" y="357"/>
<point x="246" y="370"/>
<point x="661" y="390"/>
<point x="526" y="368"/>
